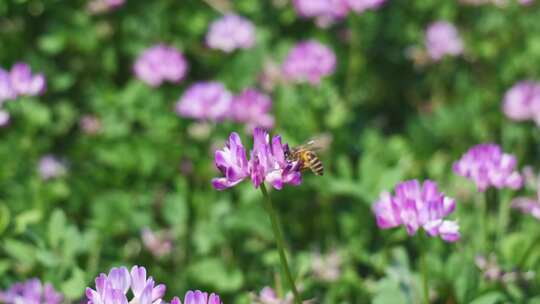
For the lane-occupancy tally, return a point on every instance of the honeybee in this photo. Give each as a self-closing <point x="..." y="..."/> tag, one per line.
<point x="306" y="157"/>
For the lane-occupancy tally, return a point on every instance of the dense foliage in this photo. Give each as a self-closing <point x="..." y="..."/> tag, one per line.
<point x="129" y="165"/>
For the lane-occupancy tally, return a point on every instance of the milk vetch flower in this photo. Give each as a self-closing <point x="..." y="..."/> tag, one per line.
<point x="416" y="206"/>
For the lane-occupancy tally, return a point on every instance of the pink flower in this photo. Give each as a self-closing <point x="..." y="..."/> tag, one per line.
<point x="267" y="163"/>
<point x="309" y="61"/>
<point x="205" y="101"/>
<point x="522" y="101"/>
<point x="198" y="297"/>
<point x="487" y="166"/>
<point x="417" y="206"/>
<point x="253" y="108"/>
<point x="161" y="63"/>
<point x="442" y="39"/>
<point x="527" y="205"/>
<point x="50" y="167"/>
<point x="360" y="6"/>
<point x="159" y="244"/>
<point x="231" y="32"/>
<point x="24" y="83"/>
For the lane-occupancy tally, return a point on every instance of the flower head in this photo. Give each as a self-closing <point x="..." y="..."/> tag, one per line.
<point x="113" y="288"/>
<point x="325" y="11"/>
<point x="198" y="297"/>
<point x="231" y="32"/>
<point x="327" y="267"/>
<point x="31" y="292"/>
<point x="359" y="6"/>
<point x="267" y="162"/>
<point x="90" y="124"/>
<point x="487" y="166"/>
<point x="6" y="89"/>
<point x="416" y="205"/>
<point x="442" y="38"/>
<point x="161" y="63"/>
<point x="102" y="6"/>
<point x="309" y="61"/>
<point x="158" y="243"/>
<point x="205" y="101"/>
<point x="522" y="101"/>
<point x="527" y="205"/>
<point x="25" y="83"/>
<point x="252" y="108"/>
<point x="50" y="167"/>
<point x="268" y="296"/>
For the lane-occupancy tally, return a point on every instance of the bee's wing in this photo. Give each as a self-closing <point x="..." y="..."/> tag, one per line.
<point x="318" y="143"/>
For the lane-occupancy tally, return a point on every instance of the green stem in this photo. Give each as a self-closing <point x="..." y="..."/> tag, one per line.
<point x="279" y="241"/>
<point x="423" y="253"/>
<point x="485" y="222"/>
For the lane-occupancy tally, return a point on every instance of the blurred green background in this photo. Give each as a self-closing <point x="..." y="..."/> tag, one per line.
<point x="389" y="119"/>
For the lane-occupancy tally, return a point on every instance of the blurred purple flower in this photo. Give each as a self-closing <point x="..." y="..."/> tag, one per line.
<point x="31" y="292"/>
<point x="267" y="162"/>
<point x="161" y="63"/>
<point x="309" y="61"/>
<point x="113" y="288"/>
<point x="205" y="101"/>
<point x="270" y="76"/>
<point x="526" y="2"/>
<point x="487" y="166"/>
<point x="269" y="296"/>
<point x="25" y="83"/>
<point x="198" y="297"/>
<point x="522" y="101"/>
<point x="90" y="124"/>
<point x="327" y="267"/>
<point x="159" y="244"/>
<point x="325" y="11"/>
<point x="527" y="205"/>
<point x="442" y="38"/>
<point x="50" y="167"/>
<point x="4" y="118"/>
<point x="359" y="6"/>
<point x="252" y="108"/>
<point x="417" y="205"/>
<point x="102" y="6"/>
<point x="6" y="89"/>
<point x="231" y="32"/>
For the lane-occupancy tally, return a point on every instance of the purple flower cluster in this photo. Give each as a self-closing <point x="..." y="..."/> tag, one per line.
<point x="113" y="289"/>
<point x="212" y="101"/>
<point x="102" y="6"/>
<point x="442" y="39"/>
<point x="487" y="166"/>
<point x="198" y="297"/>
<point x="522" y="101"/>
<point x="309" y="61"/>
<point x="158" y="243"/>
<point x="20" y="81"/>
<point x="527" y="205"/>
<point x="417" y="205"/>
<point x="31" y="292"/>
<point x="50" y="167"/>
<point x="205" y="101"/>
<point x="327" y="11"/>
<point x="231" y="32"/>
<point x="269" y="296"/>
<point x="161" y="63"/>
<point x="267" y="162"/>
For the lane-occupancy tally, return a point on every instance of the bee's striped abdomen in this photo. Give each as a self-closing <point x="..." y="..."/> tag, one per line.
<point x="315" y="164"/>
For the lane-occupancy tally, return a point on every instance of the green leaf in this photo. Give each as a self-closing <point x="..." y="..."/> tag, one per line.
<point x="214" y="273"/>
<point x="491" y="297"/>
<point x="4" y="218"/>
<point x="57" y="225"/>
<point x="73" y="288"/>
